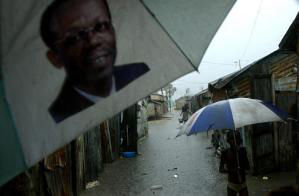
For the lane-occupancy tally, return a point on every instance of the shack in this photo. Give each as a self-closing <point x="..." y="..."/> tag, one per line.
<point x="157" y="106"/>
<point x="291" y="42"/>
<point x="180" y="102"/>
<point x="200" y="100"/>
<point x="273" y="79"/>
<point x="78" y="165"/>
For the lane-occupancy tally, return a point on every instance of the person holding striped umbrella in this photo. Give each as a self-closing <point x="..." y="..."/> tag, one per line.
<point x="234" y="162"/>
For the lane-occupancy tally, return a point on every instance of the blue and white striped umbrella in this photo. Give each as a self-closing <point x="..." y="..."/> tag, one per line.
<point x="232" y="114"/>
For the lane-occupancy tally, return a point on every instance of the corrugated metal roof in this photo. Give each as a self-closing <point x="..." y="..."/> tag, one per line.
<point x="201" y="92"/>
<point x="285" y="76"/>
<point x="181" y="98"/>
<point x="156" y="102"/>
<point x="290" y="38"/>
<point x="222" y="82"/>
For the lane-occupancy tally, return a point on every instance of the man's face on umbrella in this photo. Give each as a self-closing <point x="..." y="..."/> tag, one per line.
<point x="86" y="47"/>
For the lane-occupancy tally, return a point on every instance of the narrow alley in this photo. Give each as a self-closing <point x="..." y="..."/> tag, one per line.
<point x="182" y="166"/>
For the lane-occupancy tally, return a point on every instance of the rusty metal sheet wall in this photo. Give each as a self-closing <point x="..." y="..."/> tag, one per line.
<point x="262" y="135"/>
<point x="58" y="172"/>
<point x="195" y="100"/>
<point x="283" y="65"/>
<point x="243" y="87"/>
<point x="129" y="129"/>
<point x="93" y="158"/>
<point x="78" y="165"/>
<point x="29" y="183"/>
<point x="218" y="95"/>
<point x="284" y="73"/>
<point x="114" y="127"/>
<point x="287" y="132"/>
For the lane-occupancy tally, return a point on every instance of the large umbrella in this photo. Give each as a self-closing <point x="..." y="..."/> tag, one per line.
<point x="170" y="36"/>
<point x="232" y="114"/>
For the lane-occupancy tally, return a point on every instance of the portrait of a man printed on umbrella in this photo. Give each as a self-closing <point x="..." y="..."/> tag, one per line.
<point x="81" y="40"/>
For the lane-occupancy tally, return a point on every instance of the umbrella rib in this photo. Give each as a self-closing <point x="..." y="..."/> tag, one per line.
<point x="168" y="35"/>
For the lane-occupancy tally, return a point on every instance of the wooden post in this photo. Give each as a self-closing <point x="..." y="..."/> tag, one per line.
<point x="297" y="142"/>
<point x="106" y="143"/>
<point x="297" y="127"/>
<point x="92" y="155"/>
<point x="130" y="128"/>
<point x="275" y="126"/>
<point x="77" y="165"/>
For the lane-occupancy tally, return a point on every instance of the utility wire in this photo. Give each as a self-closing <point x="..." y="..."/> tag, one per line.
<point x="210" y="62"/>
<point x="191" y="84"/>
<point x="252" y="29"/>
<point x="184" y="81"/>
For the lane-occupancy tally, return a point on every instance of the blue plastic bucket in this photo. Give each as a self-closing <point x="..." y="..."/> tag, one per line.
<point x="129" y="154"/>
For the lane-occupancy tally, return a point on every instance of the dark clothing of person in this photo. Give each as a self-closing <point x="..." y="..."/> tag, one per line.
<point x="241" y="192"/>
<point x="185" y="113"/>
<point x="185" y="108"/>
<point x="236" y="175"/>
<point x="70" y="102"/>
<point x="216" y="139"/>
<point x="229" y="159"/>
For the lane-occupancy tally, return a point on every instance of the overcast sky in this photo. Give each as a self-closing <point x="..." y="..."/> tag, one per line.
<point x="252" y="30"/>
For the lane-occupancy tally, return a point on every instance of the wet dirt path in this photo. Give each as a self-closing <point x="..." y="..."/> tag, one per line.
<point x="162" y="157"/>
<point x="183" y="166"/>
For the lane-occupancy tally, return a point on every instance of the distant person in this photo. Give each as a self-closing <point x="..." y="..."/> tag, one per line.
<point x="185" y="112"/>
<point x="156" y="112"/>
<point x="81" y="40"/>
<point x="234" y="162"/>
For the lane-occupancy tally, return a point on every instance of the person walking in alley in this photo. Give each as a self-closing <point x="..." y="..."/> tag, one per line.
<point x="185" y="112"/>
<point x="234" y="162"/>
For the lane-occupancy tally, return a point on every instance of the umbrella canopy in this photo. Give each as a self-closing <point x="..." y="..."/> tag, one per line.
<point x="184" y="21"/>
<point x="157" y="42"/>
<point x="232" y="114"/>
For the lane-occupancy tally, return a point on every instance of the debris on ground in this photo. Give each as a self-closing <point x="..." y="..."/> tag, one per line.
<point x="176" y="175"/>
<point x="155" y="187"/>
<point x="92" y="184"/>
<point x="265" y="178"/>
<point x="167" y="117"/>
<point x="173" y="169"/>
<point x="140" y="140"/>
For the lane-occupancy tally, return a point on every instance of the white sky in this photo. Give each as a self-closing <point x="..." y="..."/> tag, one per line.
<point x="252" y="30"/>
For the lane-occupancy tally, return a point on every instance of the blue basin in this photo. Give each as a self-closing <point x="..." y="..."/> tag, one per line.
<point x="129" y="154"/>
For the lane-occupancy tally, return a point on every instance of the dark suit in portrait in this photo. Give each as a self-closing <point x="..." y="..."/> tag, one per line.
<point x="70" y="101"/>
